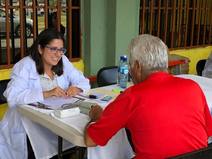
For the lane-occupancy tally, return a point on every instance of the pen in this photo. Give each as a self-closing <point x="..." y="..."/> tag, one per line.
<point x="33" y="104"/>
<point x="40" y="105"/>
<point x="92" y="96"/>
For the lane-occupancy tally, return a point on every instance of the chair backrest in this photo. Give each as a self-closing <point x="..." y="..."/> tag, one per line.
<point x="3" y="86"/>
<point x="204" y="153"/>
<point x="107" y="76"/>
<point x="200" y="66"/>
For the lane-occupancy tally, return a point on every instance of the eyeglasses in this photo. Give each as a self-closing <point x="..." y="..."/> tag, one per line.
<point x="55" y="49"/>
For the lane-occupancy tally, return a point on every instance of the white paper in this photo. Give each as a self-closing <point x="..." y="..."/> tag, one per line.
<point x="58" y="102"/>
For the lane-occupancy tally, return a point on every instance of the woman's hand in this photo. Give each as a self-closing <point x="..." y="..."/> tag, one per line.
<point x="57" y="91"/>
<point x="72" y="91"/>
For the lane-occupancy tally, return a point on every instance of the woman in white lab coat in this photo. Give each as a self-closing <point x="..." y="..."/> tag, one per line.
<point x="44" y="73"/>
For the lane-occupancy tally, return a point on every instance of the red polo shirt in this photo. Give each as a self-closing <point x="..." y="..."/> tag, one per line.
<point x="166" y="116"/>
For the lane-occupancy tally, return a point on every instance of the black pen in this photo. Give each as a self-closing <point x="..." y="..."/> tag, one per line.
<point x="92" y="96"/>
<point x="33" y="104"/>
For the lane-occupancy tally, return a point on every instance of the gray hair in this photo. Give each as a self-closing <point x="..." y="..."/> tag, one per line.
<point x="150" y="52"/>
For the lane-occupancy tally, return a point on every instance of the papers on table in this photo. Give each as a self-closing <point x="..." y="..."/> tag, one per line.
<point x="68" y="110"/>
<point x="65" y="107"/>
<point x="58" y="107"/>
<point x="58" y="102"/>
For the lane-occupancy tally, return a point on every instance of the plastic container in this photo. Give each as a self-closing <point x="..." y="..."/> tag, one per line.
<point x="123" y="71"/>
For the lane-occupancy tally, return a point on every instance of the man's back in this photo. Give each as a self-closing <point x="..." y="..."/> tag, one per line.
<point x="169" y="116"/>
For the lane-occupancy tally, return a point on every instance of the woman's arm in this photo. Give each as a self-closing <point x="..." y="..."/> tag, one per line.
<point x="24" y="86"/>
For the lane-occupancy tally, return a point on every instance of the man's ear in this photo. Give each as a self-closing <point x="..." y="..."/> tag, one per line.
<point x="137" y="66"/>
<point x="139" y="71"/>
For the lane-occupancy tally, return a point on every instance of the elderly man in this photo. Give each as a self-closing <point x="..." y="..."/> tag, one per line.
<point x="165" y="115"/>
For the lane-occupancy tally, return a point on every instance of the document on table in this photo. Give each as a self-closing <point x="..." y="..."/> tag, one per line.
<point x="65" y="107"/>
<point x="58" y="102"/>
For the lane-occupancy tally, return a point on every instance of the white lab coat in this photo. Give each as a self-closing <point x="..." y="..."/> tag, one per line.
<point x="23" y="88"/>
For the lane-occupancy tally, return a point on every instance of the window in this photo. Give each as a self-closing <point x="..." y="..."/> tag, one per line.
<point x="22" y="20"/>
<point x="179" y="23"/>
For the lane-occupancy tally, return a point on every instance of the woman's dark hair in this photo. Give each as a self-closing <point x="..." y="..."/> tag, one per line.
<point x="52" y="19"/>
<point x="43" y="39"/>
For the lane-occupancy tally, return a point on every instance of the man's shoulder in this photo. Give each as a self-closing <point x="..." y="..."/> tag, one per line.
<point x="185" y="80"/>
<point x="133" y="90"/>
<point x="186" y="85"/>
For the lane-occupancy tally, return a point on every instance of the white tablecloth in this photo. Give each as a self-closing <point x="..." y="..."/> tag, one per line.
<point x="117" y="148"/>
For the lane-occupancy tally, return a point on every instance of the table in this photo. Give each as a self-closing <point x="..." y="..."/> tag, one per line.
<point x="61" y="129"/>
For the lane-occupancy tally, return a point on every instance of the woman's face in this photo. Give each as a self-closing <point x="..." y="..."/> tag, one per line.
<point x="52" y="53"/>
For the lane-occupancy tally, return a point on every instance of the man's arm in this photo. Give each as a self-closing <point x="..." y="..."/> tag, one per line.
<point x="88" y="141"/>
<point x="94" y="114"/>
